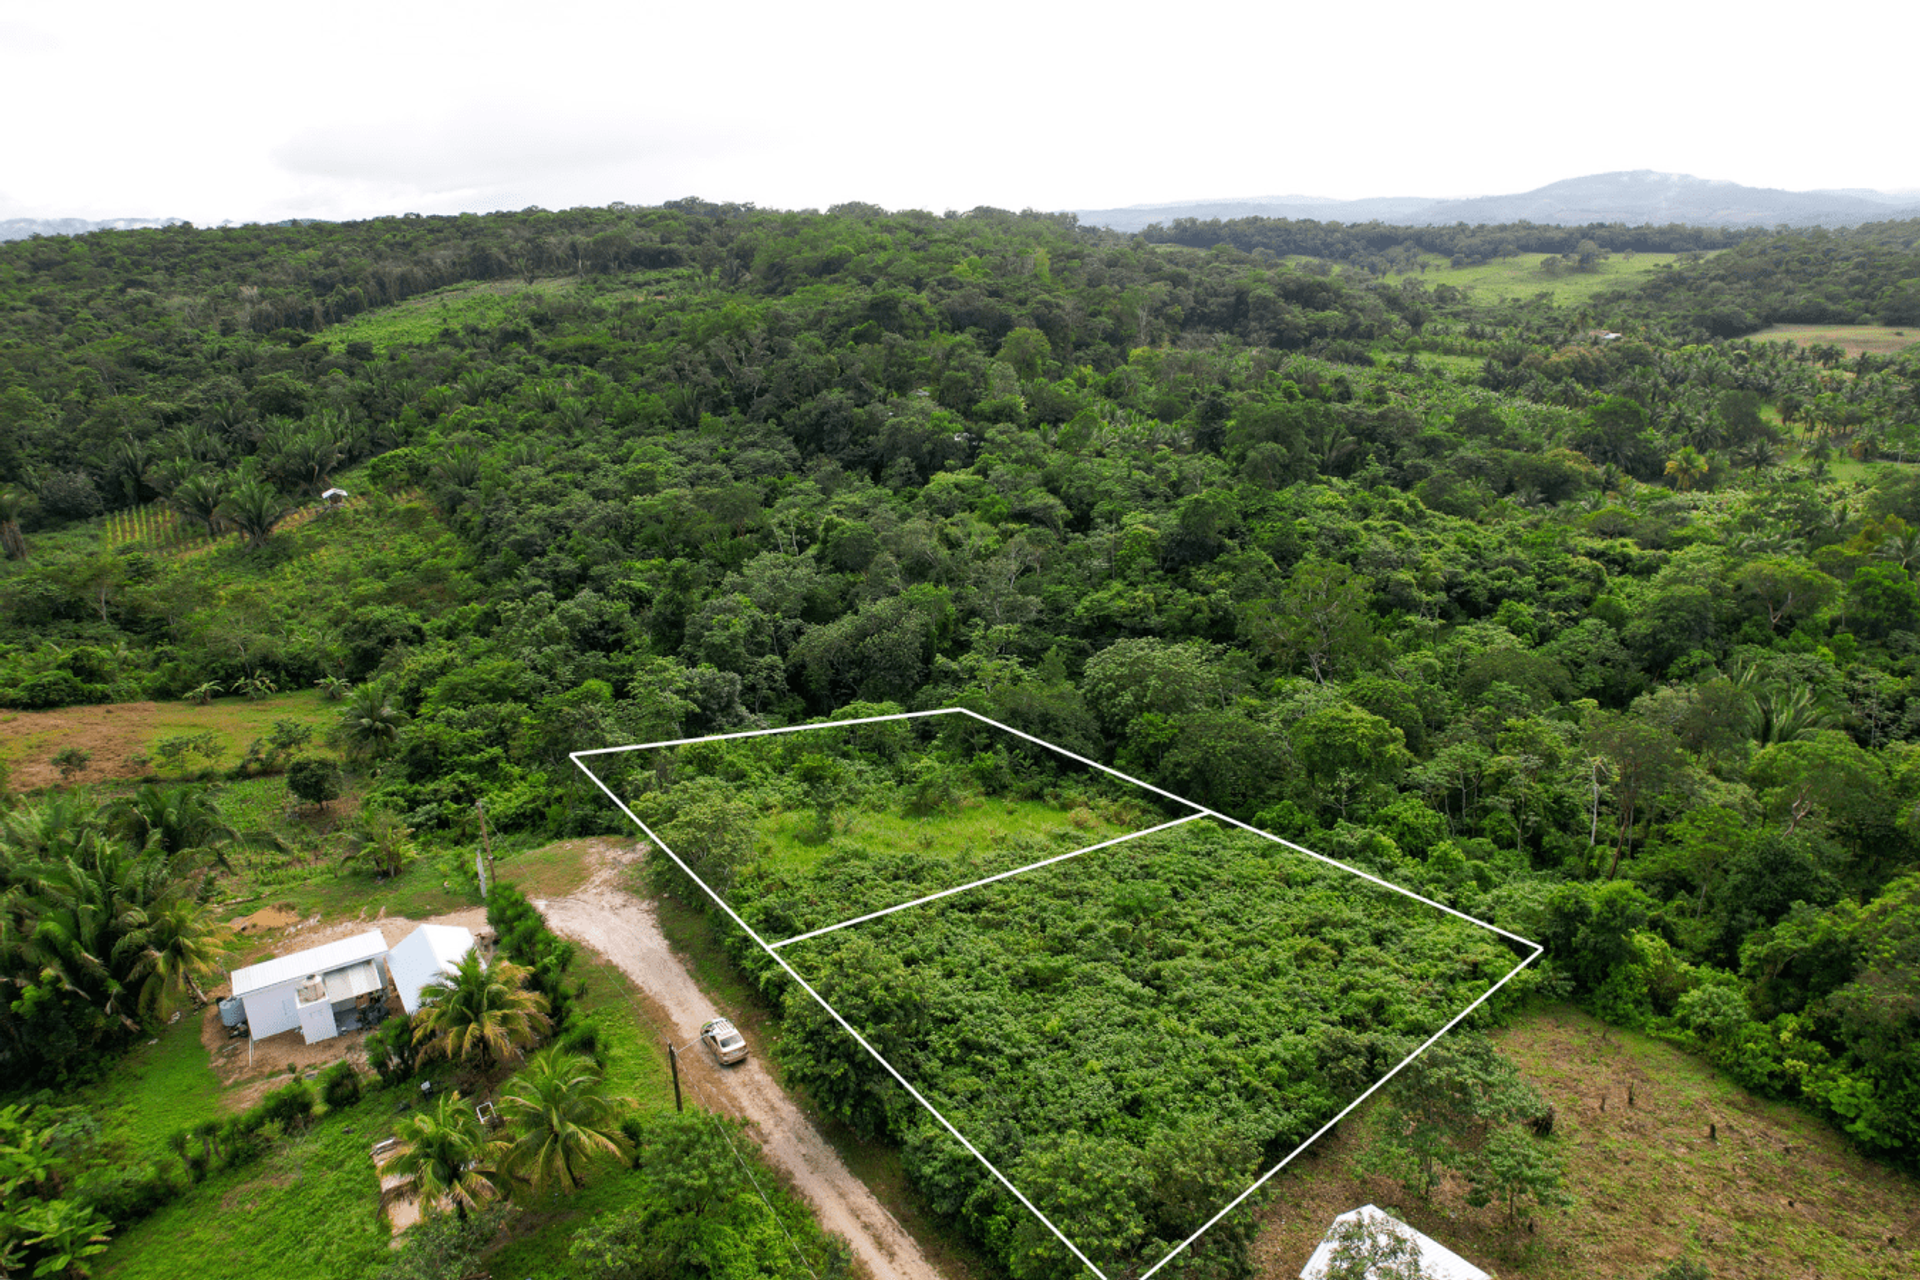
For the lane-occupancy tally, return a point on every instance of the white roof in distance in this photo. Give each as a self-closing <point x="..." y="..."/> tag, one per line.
<point x="423" y="956"/>
<point x="322" y="959"/>
<point x="1436" y="1259"/>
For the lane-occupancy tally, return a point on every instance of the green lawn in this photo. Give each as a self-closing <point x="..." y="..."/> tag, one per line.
<point x="974" y="827"/>
<point x="307" y="1211"/>
<point x="1522" y="277"/>
<point x="156" y="1090"/>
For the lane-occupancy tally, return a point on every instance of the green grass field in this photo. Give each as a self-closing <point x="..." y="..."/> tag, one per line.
<point x="307" y="1210"/>
<point x="486" y="303"/>
<point x="420" y="319"/>
<point x="1854" y="339"/>
<point x="1522" y="277"/>
<point x="156" y="1090"/>
<point x="1772" y="1191"/>
<point x="974" y="827"/>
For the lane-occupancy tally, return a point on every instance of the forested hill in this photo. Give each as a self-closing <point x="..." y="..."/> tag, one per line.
<point x="1611" y="641"/>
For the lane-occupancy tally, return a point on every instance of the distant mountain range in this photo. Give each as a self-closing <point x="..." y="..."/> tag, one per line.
<point x="1634" y="197"/>
<point x="21" y="228"/>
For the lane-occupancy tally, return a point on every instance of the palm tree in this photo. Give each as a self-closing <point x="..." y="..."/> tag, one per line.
<point x="447" y="1154"/>
<point x="370" y="722"/>
<point x="479" y="1010"/>
<point x="380" y="839"/>
<point x="173" y="821"/>
<point x="254" y="507"/>
<point x="1688" y="468"/>
<point x="199" y="497"/>
<point x="562" y="1119"/>
<point x="183" y="943"/>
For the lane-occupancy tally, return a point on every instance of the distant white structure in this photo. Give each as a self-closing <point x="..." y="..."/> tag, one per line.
<point x="425" y="956"/>
<point x="1436" y="1260"/>
<point x="311" y="989"/>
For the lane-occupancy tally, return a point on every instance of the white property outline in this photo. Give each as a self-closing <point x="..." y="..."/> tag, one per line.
<point x="1199" y="811"/>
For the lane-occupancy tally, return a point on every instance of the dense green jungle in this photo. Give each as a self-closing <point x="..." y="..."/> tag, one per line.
<point x="1595" y="620"/>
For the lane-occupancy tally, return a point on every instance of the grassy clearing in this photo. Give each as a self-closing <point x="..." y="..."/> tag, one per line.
<point x="1521" y="277"/>
<point x="1430" y="362"/>
<point x="420" y="320"/>
<point x="1779" y="1193"/>
<point x="486" y="304"/>
<point x="975" y="826"/>
<point x="307" y="1210"/>
<point x="119" y="734"/>
<point x="155" y="1090"/>
<point x="549" y="871"/>
<point x="1854" y="339"/>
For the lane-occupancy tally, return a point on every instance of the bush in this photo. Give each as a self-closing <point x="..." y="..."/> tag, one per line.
<point x="339" y="1086"/>
<point x="526" y="940"/>
<point x="314" y="781"/>
<point x="290" y="1105"/>
<point x="390" y="1051"/>
<point x="125" y="1196"/>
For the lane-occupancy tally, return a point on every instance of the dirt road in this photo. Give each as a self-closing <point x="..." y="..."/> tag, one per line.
<point x="624" y="929"/>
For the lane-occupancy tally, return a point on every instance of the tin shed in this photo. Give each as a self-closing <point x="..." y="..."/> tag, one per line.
<point x="423" y="956"/>
<point x="308" y="989"/>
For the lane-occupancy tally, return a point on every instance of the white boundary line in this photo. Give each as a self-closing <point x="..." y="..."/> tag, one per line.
<point x="947" y="893"/>
<point x="1201" y="811"/>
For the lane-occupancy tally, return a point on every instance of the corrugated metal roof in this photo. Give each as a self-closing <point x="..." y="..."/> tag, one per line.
<point x="321" y="959"/>
<point x="423" y="956"/>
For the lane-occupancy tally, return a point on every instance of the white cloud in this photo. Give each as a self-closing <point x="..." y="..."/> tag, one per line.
<point x="225" y="110"/>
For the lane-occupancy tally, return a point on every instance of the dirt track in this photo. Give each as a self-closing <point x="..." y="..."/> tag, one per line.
<point x="624" y="929"/>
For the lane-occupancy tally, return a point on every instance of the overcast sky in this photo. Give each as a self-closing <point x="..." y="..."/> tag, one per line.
<point x="215" y="110"/>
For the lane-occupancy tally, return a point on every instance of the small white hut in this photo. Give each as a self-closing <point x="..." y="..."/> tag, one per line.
<point x="1436" y="1260"/>
<point x="425" y="956"/>
<point x="312" y="989"/>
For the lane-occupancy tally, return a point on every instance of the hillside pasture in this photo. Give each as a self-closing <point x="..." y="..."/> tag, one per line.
<point x="118" y="734"/>
<point x="1522" y="278"/>
<point x="1769" y="1191"/>
<point x="1854" y="339"/>
<point x="483" y="304"/>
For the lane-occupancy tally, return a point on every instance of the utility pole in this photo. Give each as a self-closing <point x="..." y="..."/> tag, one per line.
<point x="480" y="807"/>
<point x="673" y="1059"/>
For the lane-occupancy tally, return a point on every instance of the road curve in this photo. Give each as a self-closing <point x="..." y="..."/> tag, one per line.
<point x="625" y="930"/>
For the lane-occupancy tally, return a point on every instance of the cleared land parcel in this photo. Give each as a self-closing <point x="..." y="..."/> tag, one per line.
<point x="1130" y="1028"/>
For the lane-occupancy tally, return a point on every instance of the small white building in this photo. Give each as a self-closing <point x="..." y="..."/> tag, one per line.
<point x="313" y="989"/>
<point x="424" y="956"/>
<point x="1436" y="1259"/>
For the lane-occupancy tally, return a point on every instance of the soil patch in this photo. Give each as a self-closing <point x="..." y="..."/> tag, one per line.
<point x="114" y="735"/>
<point x="265" y="920"/>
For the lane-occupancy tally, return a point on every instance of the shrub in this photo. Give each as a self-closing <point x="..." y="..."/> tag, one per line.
<point x="125" y="1196"/>
<point x="314" y="781"/>
<point x="390" y="1050"/>
<point x="340" y="1086"/>
<point x="290" y="1105"/>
